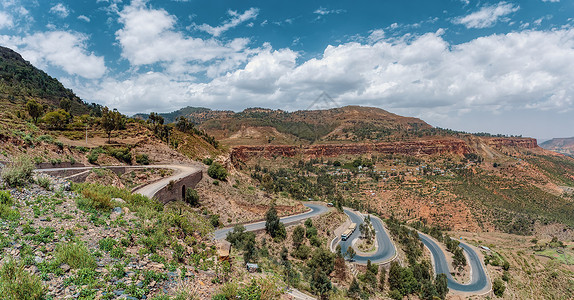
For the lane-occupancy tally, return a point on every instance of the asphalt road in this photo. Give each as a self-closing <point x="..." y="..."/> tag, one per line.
<point x="385" y="248"/>
<point x="316" y="209"/>
<point x="479" y="280"/>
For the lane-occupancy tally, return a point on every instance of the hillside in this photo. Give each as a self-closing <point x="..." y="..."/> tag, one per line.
<point x="20" y="82"/>
<point x="560" y="145"/>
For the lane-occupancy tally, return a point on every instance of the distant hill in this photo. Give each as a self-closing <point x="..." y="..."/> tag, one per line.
<point x="20" y="81"/>
<point x="560" y="145"/>
<point x="186" y="112"/>
<point x="346" y="124"/>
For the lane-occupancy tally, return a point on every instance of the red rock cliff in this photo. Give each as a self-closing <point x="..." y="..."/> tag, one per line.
<point x="422" y="147"/>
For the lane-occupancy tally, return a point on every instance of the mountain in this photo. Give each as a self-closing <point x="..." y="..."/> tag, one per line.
<point x="20" y="81"/>
<point x="188" y="111"/>
<point x="560" y="145"/>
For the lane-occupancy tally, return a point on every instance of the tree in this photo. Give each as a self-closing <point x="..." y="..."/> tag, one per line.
<point x="354" y="290"/>
<point x="66" y="104"/>
<point x="382" y="278"/>
<point x="322" y="260"/>
<point x="351" y="253"/>
<point x="395" y="276"/>
<point x="35" y="110"/>
<point x="57" y="119"/>
<point x="498" y="287"/>
<point x="271" y="221"/>
<point x="441" y="284"/>
<point x="217" y="171"/>
<point x="298" y="236"/>
<point x="191" y="197"/>
<point x="320" y="283"/>
<point x="250" y="254"/>
<point x="111" y="120"/>
<point x="458" y="259"/>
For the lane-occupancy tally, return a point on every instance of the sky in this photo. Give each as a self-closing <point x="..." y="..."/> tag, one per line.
<point x="477" y="66"/>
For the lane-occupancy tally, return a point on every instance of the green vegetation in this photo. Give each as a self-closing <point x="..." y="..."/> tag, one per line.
<point x="19" y="172"/>
<point x="273" y="225"/>
<point x="217" y="171"/>
<point x="18" y="284"/>
<point x="112" y="120"/>
<point x="514" y="205"/>
<point x="191" y="197"/>
<point x="76" y="255"/>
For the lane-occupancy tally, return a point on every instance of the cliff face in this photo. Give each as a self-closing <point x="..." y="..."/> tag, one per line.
<point x="423" y="147"/>
<point x="420" y="147"/>
<point x="527" y="143"/>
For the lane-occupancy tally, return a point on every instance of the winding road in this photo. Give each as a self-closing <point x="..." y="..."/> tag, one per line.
<point x="385" y="248"/>
<point x="384" y="252"/>
<point x="148" y="190"/>
<point x="316" y="209"/>
<point x="479" y="280"/>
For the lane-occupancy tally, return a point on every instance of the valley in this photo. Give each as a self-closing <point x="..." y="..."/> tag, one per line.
<point x="217" y="204"/>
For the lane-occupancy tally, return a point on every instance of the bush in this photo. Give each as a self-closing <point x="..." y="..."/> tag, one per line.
<point x="498" y="287"/>
<point x="92" y="157"/>
<point x="191" y="197"/>
<point x="94" y="199"/>
<point x="217" y="171"/>
<point x="142" y="159"/>
<point x="18" y="284"/>
<point x="208" y="161"/>
<point x="75" y="255"/>
<point x="19" y="172"/>
<point x="6" y="198"/>
<point x="44" y="182"/>
<point x="121" y="154"/>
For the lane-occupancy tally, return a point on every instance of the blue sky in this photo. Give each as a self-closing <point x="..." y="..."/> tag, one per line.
<point x="494" y="66"/>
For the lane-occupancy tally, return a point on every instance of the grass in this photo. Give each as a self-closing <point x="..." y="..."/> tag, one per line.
<point x="563" y="256"/>
<point x="76" y="255"/>
<point x="19" y="172"/>
<point x="18" y="284"/>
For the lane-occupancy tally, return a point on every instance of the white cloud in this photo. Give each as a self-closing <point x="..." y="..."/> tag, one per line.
<point x="66" y="50"/>
<point x="148" y="37"/>
<point x="487" y="16"/>
<point x="5" y="20"/>
<point x="60" y="10"/>
<point x="84" y="18"/>
<point x="415" y="75"/>
<point x="236" y="20"/>
<point x="323" y="11"/>
<point x="550" y="0"/>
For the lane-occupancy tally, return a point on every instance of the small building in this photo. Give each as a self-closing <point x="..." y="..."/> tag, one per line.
<point x="252" y="268"/>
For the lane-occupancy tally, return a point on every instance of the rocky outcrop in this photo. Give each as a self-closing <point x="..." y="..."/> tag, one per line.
<point x="527" y="143"/>
<point x="422" y="147"/>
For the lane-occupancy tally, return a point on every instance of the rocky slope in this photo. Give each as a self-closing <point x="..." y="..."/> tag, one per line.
<point x="560" y="145"/>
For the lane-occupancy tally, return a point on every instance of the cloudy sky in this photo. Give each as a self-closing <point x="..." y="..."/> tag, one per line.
<point x="479" y="66"/>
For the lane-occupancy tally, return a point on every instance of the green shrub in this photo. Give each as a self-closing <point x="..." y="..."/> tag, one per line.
<point x="44" y="182"/>
<point x="208" y="161"/>
<point x="117" y="252"/>
<point x="19" y="172"/>
<point x="107" y="244"/>
<point x="217" y="171"/>
<point x="498" y="287"/>
<point x="6" y="212"/>
<point x="76" y="255"/>
<point x="142" y="159"/>
<point x="6" y="198"/>
<point x="92" y="157"/>
<point x="46" y="138"/>
<point x="121" y="154"/>
<point x="96" y="199"/>
<point x="18" y="284"/>
<point x="191" y="197"/>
